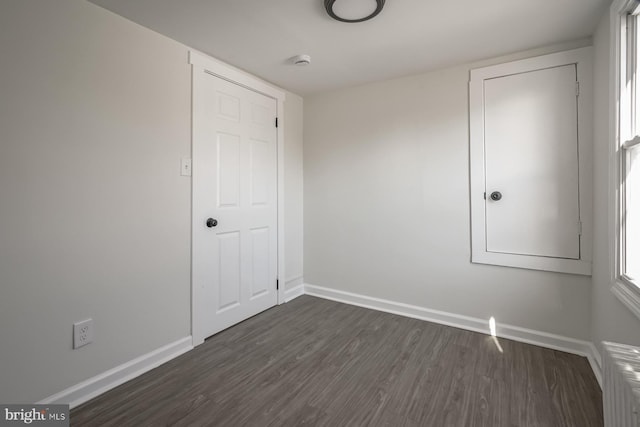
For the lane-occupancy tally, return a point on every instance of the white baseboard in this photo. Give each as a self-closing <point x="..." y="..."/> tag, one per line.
<point x="87" y="390"/>
<point x="596" y="363"/>
<point x="529" y="336"/>
<point x="294" y="288"/>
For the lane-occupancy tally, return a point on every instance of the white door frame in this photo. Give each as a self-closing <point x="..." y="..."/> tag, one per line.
<point x="200" y="64"/>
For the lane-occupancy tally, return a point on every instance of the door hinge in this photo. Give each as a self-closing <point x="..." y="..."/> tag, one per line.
<point x="276" y="122"/>
<point x="579" y="228"/>
<point x="577" y="88"/>
<point x="277" y="285"/>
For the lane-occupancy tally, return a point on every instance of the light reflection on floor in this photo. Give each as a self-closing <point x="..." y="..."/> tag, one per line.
<point x="492" y="327"/>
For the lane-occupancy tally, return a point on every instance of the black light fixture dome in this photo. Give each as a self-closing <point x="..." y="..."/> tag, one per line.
<point x="337" y="14"/>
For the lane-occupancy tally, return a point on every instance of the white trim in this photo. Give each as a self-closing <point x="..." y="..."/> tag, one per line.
<point x="294" y="292"/>
<point x="595" y="360"/>
<point x="516" y="333"/>
<point x="200" y="64"/>
<point x="614" y="134"/>
<point x="559" y="265"/>
<point x="557" y="59"/>
<point x="294" y="281"/>
<point x="627" y="293"/>
<point x="632" y="143"/>
<point x="281" y="189"/>
<point x="235" y="75"/>
<point x="95" y="386"/>
<point x="479" y="254"/>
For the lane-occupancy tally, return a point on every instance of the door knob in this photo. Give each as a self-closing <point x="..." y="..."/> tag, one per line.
<point x="496" y="195"/>
<point x="212" y="222"/>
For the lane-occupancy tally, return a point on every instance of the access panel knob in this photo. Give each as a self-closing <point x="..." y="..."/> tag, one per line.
<point x="496" y="195"/>
<point x="212" y="222"/>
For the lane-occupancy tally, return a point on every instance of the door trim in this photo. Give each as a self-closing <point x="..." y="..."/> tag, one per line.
<point x="479" y="254"/>
<point x="200" y="64"/>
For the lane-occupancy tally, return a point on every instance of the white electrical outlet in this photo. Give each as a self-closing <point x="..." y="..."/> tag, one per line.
<point x="82" y="333"/>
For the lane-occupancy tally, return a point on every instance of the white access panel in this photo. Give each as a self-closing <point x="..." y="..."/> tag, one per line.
<point x="530" y="163"/>
<point x="531" y="159"/>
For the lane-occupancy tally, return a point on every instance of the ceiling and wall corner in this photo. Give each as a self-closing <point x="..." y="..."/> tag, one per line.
<point x="408" y="37"/>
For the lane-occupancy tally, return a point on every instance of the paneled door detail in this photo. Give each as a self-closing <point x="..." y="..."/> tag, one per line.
<point x="234" y="202"/>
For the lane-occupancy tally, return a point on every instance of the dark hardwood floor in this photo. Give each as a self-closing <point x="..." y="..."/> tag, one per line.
<point x="318" y="362"/>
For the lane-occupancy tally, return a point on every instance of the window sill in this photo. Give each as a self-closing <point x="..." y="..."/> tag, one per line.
<point x="628" y="294"/>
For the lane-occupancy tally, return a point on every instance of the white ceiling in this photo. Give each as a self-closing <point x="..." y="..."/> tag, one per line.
<point x="408" y="37"/>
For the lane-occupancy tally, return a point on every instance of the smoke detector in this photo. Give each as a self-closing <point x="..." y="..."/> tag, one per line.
<point x="301" y="60"/>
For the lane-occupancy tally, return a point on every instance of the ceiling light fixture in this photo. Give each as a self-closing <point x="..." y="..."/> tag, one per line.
<point x="353" y="10"/>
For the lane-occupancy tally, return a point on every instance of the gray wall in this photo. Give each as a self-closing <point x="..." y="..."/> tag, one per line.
<point x="94" y="118"/>
<point x="95" y="115"/>
<point x="611" y="320"/>
<point x="386" y="206"/>
<point x="293" y="179"/>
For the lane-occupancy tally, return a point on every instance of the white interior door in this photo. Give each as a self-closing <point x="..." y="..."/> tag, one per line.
<point x="234" y="202"/>
<point x="531" y="160"/>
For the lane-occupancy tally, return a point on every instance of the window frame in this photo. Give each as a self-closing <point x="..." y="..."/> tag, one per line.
<point x="625" y="122"/>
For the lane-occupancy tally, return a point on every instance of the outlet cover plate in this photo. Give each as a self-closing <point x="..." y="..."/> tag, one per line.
<point x="82" y="333"/>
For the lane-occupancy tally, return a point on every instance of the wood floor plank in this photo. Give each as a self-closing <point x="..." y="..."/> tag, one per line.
<point x="489" y="403"/>
<point x="321" y="363"/>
